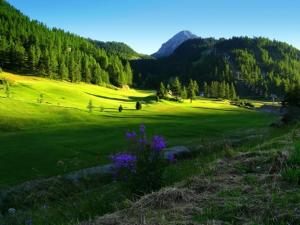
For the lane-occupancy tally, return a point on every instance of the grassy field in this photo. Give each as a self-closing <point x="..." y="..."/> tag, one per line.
<point x="35" y="136"/>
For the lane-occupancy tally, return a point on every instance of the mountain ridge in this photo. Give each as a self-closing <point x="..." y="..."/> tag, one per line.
<point x="170" y="46"/>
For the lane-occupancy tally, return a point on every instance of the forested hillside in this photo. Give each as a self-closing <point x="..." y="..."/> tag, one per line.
<point x="259" y="67"/>
<point x="118" y="48"/>
<point x="30" y="47"/>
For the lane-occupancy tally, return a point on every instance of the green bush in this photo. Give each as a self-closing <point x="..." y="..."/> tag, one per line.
<point x="138" y="105"/>
<point x="120" y="108"/>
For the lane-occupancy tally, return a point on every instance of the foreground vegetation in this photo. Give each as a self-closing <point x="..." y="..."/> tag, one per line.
<point x="248" y="186"/>
<point x="225" y="181"/>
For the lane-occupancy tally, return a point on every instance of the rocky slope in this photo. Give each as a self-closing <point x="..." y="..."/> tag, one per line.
<point x="169" y="47"/>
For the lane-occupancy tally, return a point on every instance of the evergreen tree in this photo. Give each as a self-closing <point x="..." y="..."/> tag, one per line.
<point x="63" y="70"/>
<point x="97" y="74"/>
<point x="227" y="91"/>
<point x="191" y="90"/>
<point x="206" y="90"/>
<point x="161" y="92"/>
<point x="232" y="92"/>
<point x="90" y="106"/>
<point x="184" y="94"/>
<point x="222" y="90"/>
<point x="7" y="89"/>
<point x="138" y="105"/>
<point x="196" y="88"/>
<point x="176" y="87"/>
<point x="128" y="73"/>
<point x="120" y="108"/>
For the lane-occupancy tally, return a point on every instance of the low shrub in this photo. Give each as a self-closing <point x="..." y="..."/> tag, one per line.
<point x="138" y="105"/>
<point x="141" y="167"/>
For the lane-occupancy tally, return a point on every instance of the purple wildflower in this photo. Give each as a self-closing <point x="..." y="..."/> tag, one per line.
<point x="124" y="160"/>
<point x="171" y="157"/>
<point x="158" y="143"/>
<point x="142" y="128"/>
<point x="143" y="141"/>
<point x="130" y="135"/>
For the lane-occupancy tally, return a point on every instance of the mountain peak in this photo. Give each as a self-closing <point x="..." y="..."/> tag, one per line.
<point x="169" y="47"/>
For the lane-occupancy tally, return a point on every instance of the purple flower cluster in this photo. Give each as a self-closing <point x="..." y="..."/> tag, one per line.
<point x="158" y="143"/>
<point x="142" y="129"/>
<point x="130" y="135"/>
<point x="171" y="157"/>
<point x="124" y="160"/>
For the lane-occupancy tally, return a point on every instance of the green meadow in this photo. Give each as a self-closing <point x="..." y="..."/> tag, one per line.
<point x="60" y="135"/>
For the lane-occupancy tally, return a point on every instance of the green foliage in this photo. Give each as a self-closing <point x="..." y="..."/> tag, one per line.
<point x="117" y="48"/>
<point x="141" y="167"/>
<point x="292" y="172"/>
<point x="292" y="104"/>
<point x="120" y="108"/>
<point x="161" y="92"/>
<point x="292" y="97"/>
<point x="260" y="66"/>
<point x="176" y="88"/>
<point x="30" y="47"/>
<point x="90" y="106"/>
<point x="192" y="90"/>
<point x="138" y="105"/>
<point x="222" y="90"/>
<point x="40" y="98"/>
<point x="7" y="88"/>
<point x="184" y="94"/>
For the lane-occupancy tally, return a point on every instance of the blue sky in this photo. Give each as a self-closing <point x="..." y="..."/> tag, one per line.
<point x="146" y="24"/>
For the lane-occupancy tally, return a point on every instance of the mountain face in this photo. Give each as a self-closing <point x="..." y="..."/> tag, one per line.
<point x="259" y="67"/>
<point x="169" y="47"/>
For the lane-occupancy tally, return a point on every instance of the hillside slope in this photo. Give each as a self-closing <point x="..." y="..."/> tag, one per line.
<point x="28" y="46"/>
<point x="259" y="65"/>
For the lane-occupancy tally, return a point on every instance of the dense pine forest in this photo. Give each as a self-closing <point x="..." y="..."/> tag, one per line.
<point x="31" y="47"/>
<point x="258" y="67"/>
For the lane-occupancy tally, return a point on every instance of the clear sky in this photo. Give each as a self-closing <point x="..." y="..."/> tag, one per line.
<point x="146" y="24"/>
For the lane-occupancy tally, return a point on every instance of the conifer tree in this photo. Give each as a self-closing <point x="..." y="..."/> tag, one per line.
<point x="176" y="87"/>
<point x="233" y="95"/>
<point x="90" y="106"/>
<point x="7" y="89"/>
<point x="206" y="90"/>
<point x="184" y="94"/>
<point x="191" y="90"/>
<point x="161" y="92"/>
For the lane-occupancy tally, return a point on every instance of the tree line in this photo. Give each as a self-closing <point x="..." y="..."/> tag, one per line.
<point x="31" y="47"/>
<point x="260" y="67"/>
<point x="214" y="89"/>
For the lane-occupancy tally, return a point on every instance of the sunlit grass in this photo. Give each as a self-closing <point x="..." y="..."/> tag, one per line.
<point x="34" y="136"/>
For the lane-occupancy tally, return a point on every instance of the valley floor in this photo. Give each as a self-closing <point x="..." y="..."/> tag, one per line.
<point x="35" y="136"/>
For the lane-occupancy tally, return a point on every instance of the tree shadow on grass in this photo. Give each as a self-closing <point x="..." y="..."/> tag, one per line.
<point x="146" y="99"/>
<point x="225" y="110"/>
<point x="109" y="98"/>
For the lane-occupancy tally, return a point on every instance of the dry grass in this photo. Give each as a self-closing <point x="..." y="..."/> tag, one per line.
<point x="244" y="189"/>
